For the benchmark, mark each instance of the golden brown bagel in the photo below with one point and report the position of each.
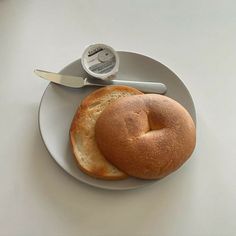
(146, 136)
(82, 132)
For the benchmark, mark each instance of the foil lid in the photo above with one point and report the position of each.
(100, 61)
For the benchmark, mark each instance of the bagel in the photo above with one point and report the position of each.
(146, 136)
(82, 132)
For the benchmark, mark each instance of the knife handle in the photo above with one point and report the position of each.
(147, 87)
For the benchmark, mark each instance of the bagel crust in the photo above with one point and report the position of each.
(146, 136)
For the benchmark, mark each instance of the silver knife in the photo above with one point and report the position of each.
(79, 82)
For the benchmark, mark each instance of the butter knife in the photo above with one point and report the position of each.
(79, 82)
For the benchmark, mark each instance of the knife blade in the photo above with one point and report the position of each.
(79, 82)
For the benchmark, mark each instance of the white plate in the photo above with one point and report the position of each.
(59, 104)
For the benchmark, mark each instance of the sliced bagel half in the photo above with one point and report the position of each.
(82, 132)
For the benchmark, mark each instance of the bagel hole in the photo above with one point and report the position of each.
(153, 122)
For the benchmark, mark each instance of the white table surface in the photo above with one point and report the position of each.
(196, 39)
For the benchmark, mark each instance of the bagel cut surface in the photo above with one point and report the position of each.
(146, 136)
(82, 132)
